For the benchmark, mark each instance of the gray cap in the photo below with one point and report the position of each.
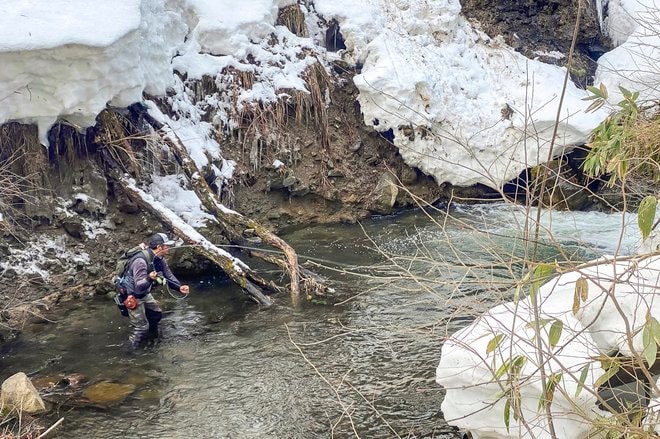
(159, 239)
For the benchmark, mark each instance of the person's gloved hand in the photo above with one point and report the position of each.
(185, 289)
(130, 303)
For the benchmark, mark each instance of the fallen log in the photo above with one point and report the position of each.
(236, 269)
(232, 224)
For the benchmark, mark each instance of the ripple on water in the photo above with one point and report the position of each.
(228, 370)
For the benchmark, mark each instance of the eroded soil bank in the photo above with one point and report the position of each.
(69, 222)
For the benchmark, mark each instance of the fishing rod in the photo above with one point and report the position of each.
(244, 247)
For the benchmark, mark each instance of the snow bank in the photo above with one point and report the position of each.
(443, 89)
(466, 370)
(470, 110)
(634, 26)
(219, 31)
(70, 59)
(624, 17)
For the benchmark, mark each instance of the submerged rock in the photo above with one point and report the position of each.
(107, 393)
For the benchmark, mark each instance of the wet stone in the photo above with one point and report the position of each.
(356, 146)
(92, 269)
(107, 393)
(273, 215)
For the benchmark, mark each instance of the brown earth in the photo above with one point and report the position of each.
(544, 25)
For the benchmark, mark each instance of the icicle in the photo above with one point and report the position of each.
(600, 9)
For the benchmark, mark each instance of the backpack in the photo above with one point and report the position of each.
(123, 263)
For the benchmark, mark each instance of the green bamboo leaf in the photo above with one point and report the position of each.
(541, 274)
(595, 90)
(507, 413)
(494, 343)
(609, 373)
(646, 333)
(625, 92)
(549, 393)
(517, 365)
(583, 377)
(648, 339)
(541, 323)
(646, 215)
(651, 353)
(635, 96)
(655, 329)
(555, 332)
(504, 368)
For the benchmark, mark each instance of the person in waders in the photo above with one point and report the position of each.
(142, 272)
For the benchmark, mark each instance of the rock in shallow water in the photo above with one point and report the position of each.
(18, 391)
(107, 393)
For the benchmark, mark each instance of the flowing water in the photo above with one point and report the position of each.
(361, 368)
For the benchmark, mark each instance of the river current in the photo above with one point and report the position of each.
(360, 365)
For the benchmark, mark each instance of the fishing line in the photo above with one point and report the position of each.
(279, 252)
(162, 281)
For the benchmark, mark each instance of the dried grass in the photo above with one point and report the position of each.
(22, 161)
(261, 128)
(294, 19)
(116, 134)
(645, 145)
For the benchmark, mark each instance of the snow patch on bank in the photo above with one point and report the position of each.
(170, 191)
(40, 255)
(634, 26)
(599, 327)
(471, 110)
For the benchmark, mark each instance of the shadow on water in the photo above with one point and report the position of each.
(226, 369)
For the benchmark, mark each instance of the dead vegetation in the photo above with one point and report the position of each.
(22, 161)
(294, 19)
(260, 127)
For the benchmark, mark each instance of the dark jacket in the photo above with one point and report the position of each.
(137, 279)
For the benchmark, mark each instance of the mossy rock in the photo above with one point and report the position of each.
(138, 379)
(107, 393)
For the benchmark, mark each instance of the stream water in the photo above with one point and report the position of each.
(362, 368)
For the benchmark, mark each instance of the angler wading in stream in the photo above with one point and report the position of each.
(144, 269)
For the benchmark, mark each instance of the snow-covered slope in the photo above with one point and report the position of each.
(443, 89)
(70, 59)
(462, 107)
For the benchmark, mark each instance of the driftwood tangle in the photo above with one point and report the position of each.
(231, 225)
(241, 275)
